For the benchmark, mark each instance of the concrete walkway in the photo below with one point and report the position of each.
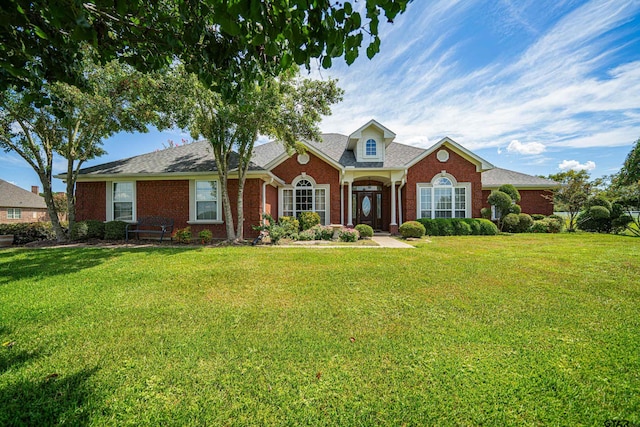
(390, 242)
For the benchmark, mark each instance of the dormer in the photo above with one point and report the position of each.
(369, 143)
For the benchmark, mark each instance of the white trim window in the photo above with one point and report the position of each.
(371, 148)
(305, 195)
(206, 200)
(443, 198)
(14, 213)
(123, 200)
(205, 205)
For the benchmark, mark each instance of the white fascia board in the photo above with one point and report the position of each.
(481, 164)
(275, 162)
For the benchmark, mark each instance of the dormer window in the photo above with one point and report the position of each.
(370, 148)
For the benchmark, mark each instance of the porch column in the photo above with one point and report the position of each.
(393, 203)
(349, 204)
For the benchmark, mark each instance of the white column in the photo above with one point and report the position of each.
(393, 203)
(341, 202)
(349, 204)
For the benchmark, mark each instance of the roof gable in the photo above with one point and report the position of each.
(496, 177)
(481, 164)
(387, 135)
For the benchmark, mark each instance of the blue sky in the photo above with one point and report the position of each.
(533, 86)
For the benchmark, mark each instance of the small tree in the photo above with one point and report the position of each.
(504, 200)
(625, 188)
(572, 193)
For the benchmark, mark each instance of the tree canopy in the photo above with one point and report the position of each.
(630, 172)
(222, 41)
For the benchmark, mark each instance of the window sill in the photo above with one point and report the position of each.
(205, 222)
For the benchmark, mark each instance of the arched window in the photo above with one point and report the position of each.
(305, 196)
(371, 148)
(443, 198)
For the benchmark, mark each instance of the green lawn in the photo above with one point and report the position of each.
(503, 330)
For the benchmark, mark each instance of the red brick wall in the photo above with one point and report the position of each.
(26, 215)
(91, 201)
(272, 201)
(170, 198)
(321, 172)
(424, 171)
(531, 201)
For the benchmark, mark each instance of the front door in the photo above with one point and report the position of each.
(367, 208)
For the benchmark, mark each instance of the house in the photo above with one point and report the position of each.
(362, 178)
(18, 205)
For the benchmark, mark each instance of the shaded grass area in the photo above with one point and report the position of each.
(506, 330)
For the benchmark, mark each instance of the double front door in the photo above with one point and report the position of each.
(368, 206)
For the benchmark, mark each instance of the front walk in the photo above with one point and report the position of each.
(390, 242)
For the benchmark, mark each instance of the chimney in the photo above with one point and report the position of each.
(34, 189)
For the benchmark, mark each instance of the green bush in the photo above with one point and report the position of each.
(485, 213)
(366, 232)
(488, 228)
(537, 217)
(555, 225)
(308, 220)
(540, 226)
(599, 212)
(323, 232)
(115, 230)
(348, 235)
(510, 223)
(525, 223)
(27, 232)
(79, 230)
(511, 191)
(474, 226)
(205, 236)
(412, 229)
(460, 228)
(307, 235)
(290, 226)
(515, 209)
(182, 235)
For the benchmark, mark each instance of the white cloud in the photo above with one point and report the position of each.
(576, 165)
(527, 148)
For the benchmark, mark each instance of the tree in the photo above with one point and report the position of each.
(572, 193)
(58, 119)
(286, 108)
(505, 200)
(625, 188)
(222, 41)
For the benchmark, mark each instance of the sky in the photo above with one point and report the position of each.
(537, 86)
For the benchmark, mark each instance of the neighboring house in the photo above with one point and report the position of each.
(362, 178)
(18, 205)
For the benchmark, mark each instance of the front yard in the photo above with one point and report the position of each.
(501, 330)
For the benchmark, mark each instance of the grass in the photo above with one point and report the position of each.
(504, 330)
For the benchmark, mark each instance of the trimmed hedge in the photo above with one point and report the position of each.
(26, 232)
(90, 229)
(458, 227)
(412, 229)
(365, 231)
(115, 230)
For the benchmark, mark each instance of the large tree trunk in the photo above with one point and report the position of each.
(51, 208)
(71, 199)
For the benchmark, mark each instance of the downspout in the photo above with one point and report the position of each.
(342, 196)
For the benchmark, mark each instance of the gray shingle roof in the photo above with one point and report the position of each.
(194, 157)
(497, 176)
(198, 157)
(12, 196)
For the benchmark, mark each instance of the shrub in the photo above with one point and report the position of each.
(348, 235)
(115, 230)
(323, 232)
(290, 226)
(525, 222)
(540, 226)
(79, 230)
(555, 225)
(510, 223)
(460, 228)
(27, 232)
(308, 220)
(515, 209)
(512, 191)
(412, 229)
(537, 217)
(599, 212)
(365, 231)
(205, 236)
(488, 228)
(182, 235)
(307, 235)
(485, 213)
(474, 226)
(95, 229)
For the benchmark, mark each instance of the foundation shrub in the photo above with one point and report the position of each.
(349, 235)
(510, 223)
(27, 232)
(525, 222)
(487, 228)
(323, 232)
(182, 235)
(205, 237)
(307, 235)
(308, 220)
(115, 230)
(412, 229)
(460, 227)
(366, 232)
